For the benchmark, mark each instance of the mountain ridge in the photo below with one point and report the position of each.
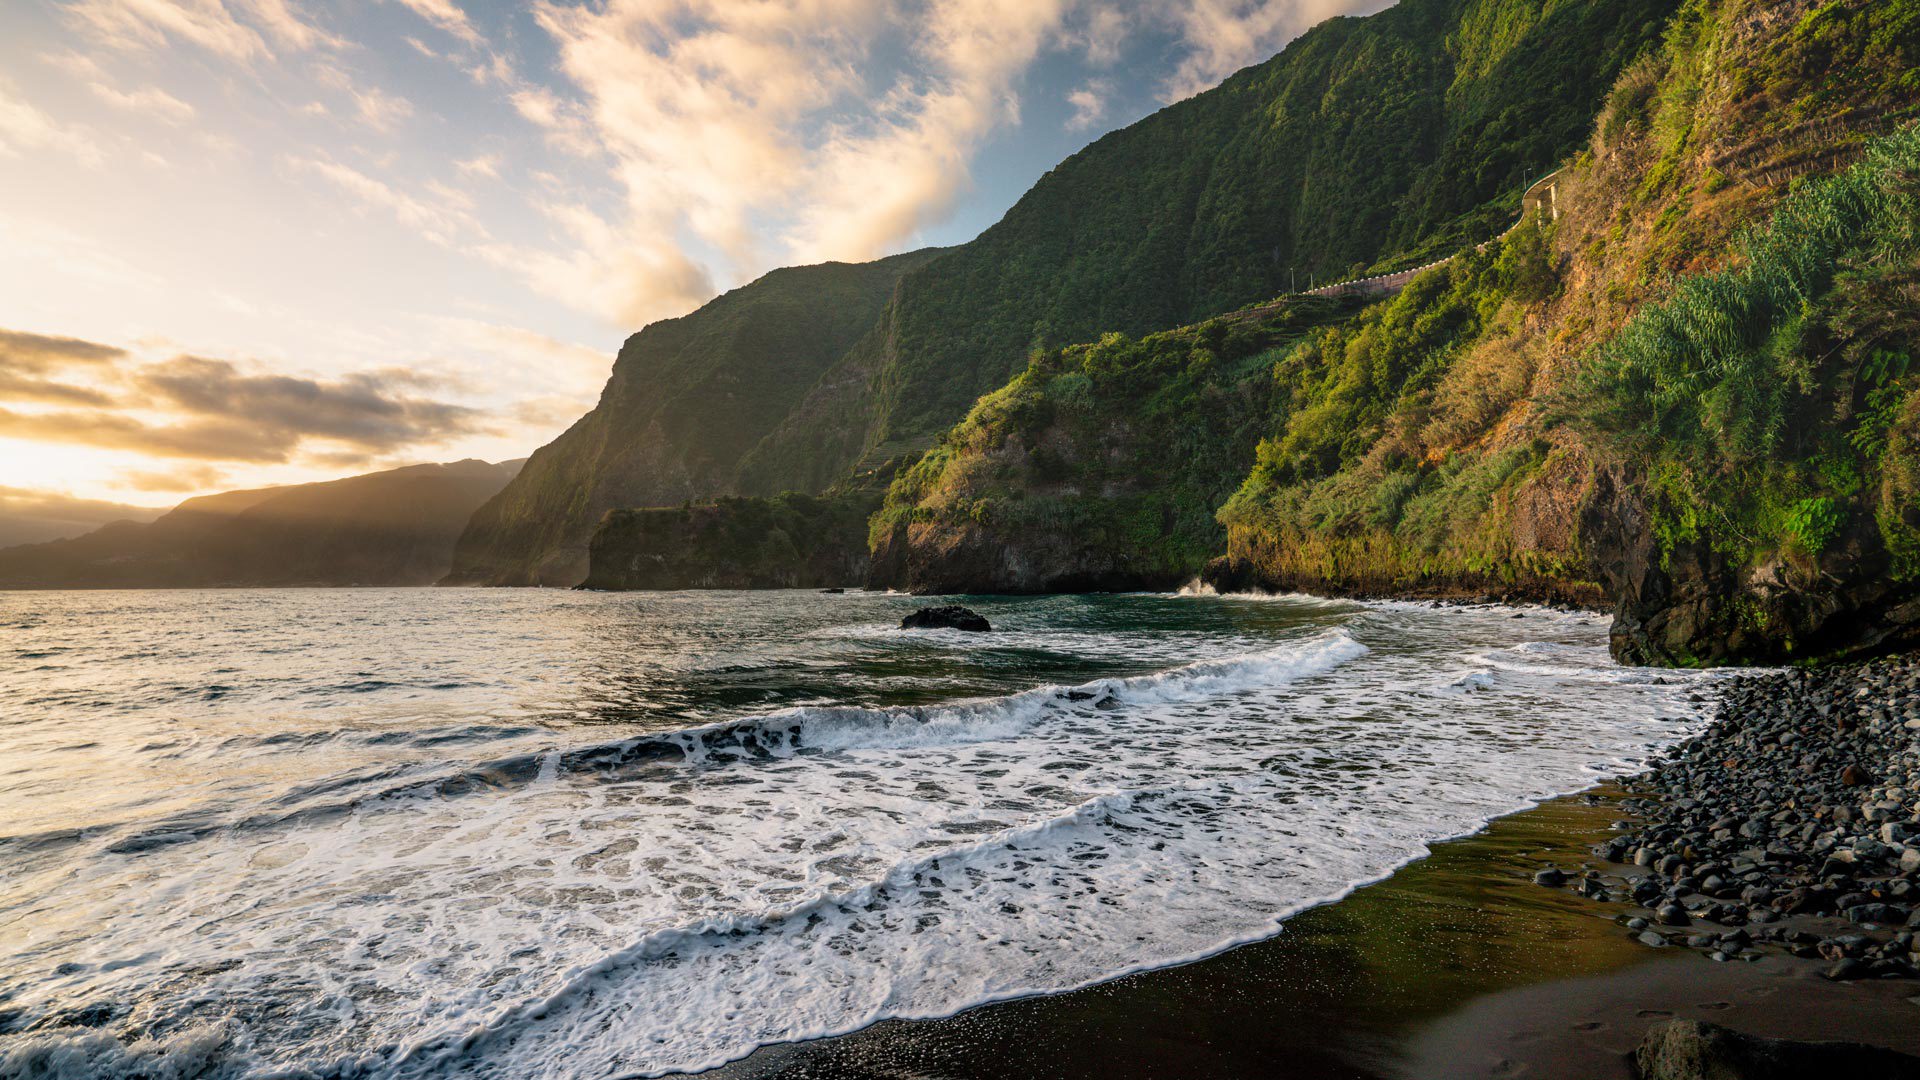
(1396, 136)
(394, 527)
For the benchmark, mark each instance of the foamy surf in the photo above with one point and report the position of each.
(669, 900)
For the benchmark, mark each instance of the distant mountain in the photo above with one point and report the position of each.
(386, 528)
(28, 516)
(1369, 142)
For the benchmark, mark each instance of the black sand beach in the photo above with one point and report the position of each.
(1457, 966)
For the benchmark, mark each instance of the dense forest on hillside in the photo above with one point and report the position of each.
(1685, 385)
(1368, 141)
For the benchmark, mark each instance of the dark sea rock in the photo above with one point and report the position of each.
(1694, 605)
(950, 617)
(1694, 1050)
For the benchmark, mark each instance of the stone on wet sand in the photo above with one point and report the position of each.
(1695, 1050)
(1781, 819)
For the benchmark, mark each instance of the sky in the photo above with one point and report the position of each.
(249, 242)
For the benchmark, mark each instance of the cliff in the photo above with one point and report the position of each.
(687, 400)
(1375, 142)
(790, 541)
(1097, 468)
(1689, 393)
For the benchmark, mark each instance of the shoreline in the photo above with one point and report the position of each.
(1475, 961)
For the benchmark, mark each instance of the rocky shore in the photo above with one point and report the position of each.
(1792, 824)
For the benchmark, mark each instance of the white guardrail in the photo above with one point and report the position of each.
(1383, 280)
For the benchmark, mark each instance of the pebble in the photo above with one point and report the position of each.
(1797, 804)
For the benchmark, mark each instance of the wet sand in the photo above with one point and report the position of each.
(1457, 966)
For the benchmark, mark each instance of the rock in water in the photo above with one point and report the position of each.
(953, 617)
(1692, 1050)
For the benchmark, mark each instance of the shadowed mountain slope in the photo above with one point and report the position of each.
(386, 528)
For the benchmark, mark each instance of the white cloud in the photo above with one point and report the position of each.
(487, 165)
(1223, 36)
(148, 99)
(213, 25)
(447, 16)
(625, 276)
(23, 127)
(1089, 104)
(444, 221)
(1104, 35)
(381, 111)
(762, 131)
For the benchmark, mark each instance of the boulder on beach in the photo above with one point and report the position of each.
(951, 617)
(1693, 1050)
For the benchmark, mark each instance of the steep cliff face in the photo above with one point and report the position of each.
(687, 401)
(790, 541)
(387, 528)
(1374, 142)
(1704, 362)
(1098, 468)
(1692, 603)
(1388, 137)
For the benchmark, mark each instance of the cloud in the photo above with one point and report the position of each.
(33, 516)
(447, 16)
(1089, 104)
(25, 128)
(771, 133)
(26, 359)
(150, 100)
(213, 25)
(41, 353)
(23, 388)
(361, 410)
(185, 478)
(1223, 36)
(440, 220)
(1103, 35)
(382, 111)
(198, 408)
(487, 165)
(215, 441)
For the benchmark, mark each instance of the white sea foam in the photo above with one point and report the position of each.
(671, 901)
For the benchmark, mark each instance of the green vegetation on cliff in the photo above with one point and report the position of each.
(1385, 140)
(1368, 141)
(1098, 467)
(1649, 372)
(1363, 484)
(1761, 402)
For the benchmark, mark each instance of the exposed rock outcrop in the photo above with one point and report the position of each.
(1692, 604)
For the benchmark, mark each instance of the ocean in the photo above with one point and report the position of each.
(532, 833)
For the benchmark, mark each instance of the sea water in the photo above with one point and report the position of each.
(483, 833)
